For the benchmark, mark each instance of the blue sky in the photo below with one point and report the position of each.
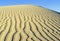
(50, 4)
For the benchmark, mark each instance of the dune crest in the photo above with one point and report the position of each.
(29, 23)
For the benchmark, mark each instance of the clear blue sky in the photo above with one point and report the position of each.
(50, 4)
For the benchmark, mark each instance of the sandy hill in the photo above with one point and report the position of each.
(29, 23)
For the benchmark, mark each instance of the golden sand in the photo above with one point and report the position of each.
(29, 23)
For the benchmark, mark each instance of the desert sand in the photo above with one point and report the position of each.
(29, 23)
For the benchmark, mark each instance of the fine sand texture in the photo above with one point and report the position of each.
(29, 23)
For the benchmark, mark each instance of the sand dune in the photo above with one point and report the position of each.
(29, 23)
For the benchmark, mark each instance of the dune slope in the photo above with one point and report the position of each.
(29, 23)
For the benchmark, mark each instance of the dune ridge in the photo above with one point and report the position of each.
(29, 23)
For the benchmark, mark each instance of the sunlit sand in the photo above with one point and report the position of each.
(29, 23)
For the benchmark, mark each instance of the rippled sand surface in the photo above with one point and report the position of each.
(29, 23)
